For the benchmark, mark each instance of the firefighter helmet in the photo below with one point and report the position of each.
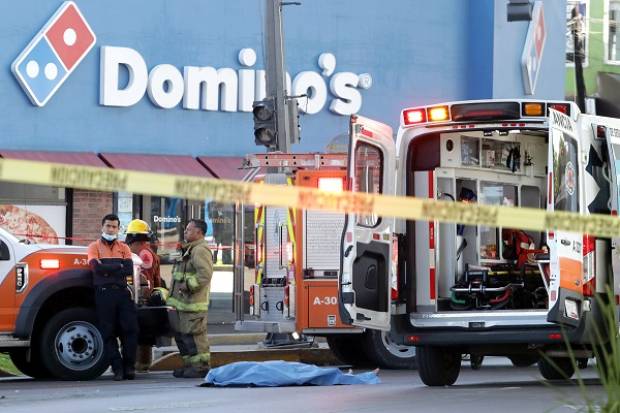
(137, 226)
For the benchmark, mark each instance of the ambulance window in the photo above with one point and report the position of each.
(4, 251)
(565, 173)
(368, 176)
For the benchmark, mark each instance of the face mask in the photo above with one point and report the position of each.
(108, 237)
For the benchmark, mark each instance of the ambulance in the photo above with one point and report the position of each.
(294, 289)
(48, 324)
(473, 289)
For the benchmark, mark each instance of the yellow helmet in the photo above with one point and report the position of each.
(137, 226)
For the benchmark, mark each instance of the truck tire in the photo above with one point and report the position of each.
(31, 366)
(348, 348)
(72, 347)
(438, 366)
(387, 354)
(556, 368)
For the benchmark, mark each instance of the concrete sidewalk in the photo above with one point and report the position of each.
(232, 347)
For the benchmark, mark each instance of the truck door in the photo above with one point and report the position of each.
(8, 289)
(366, 246)
(612, 136)
(566, 259)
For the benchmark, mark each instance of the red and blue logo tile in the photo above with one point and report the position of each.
(54, 53)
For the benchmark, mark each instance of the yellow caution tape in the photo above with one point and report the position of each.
(114, 180)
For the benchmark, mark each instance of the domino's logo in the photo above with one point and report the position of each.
(54, 53)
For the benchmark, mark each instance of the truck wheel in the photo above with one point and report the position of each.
(72, 347)
(524, 360)
(387, 354)
(438, 366)
(30, 366)
(556, 368)
(348, 349)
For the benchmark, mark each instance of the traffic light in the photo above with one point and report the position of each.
(519, 10)
(293, 121)
(265, 123)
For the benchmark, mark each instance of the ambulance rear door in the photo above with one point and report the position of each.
(612, 137)
(566, 259)
(366, 245)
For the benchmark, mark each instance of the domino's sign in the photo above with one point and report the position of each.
(61, 44)
(54, 53)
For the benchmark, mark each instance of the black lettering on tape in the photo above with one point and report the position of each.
(76, 177)
(598, 225)
(467, 214)
(216, 190)
(360, 203)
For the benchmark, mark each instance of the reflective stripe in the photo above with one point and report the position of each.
(199, 359)
(192, 282)
(178, 276)
(190, 307)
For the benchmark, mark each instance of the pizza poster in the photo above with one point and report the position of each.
(37, 224)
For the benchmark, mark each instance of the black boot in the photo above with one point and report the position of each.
(130, 373)
(117, 369)
(197, 372)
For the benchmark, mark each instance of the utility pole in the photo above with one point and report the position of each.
(578, 54)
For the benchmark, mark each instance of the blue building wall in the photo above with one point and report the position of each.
(417, 52)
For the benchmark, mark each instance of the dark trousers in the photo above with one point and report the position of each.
(117, 317)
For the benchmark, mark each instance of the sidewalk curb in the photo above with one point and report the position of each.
(319, 356)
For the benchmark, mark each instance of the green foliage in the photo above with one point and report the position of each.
(7, 366)
(607, 353)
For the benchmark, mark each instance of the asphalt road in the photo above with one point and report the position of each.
(497, 387)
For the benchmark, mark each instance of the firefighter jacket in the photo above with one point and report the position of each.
(191, 278)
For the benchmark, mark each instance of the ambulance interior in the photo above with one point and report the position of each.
(477, 267)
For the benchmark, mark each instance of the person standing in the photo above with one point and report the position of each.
(191, 283)
(138, 238)
(111, 263)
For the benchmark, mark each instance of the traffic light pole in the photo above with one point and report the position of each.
(578, 54)
(274, 68)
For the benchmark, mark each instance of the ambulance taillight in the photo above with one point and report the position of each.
(438, 114)
(414, 116)
(589, 265)
(560, 107)
(394, 263)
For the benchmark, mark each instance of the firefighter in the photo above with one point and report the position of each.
(110, 260)
(139, 239)
(191, 283)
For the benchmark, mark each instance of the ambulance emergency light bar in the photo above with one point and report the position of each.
(480, 111)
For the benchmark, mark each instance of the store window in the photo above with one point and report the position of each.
(612, 42)
(583, 27)
(34, 213)
(368, 174)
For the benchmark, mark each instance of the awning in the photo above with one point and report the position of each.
(71, 158)
(169, 164)
(227, 167)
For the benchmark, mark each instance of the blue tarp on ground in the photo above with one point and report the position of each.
(283, 373)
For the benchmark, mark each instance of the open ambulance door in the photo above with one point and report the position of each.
(612, 136)
(566, 258)
(366, 244)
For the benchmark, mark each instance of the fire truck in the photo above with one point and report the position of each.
(471, 289)
(295, 286)
(47, 316)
